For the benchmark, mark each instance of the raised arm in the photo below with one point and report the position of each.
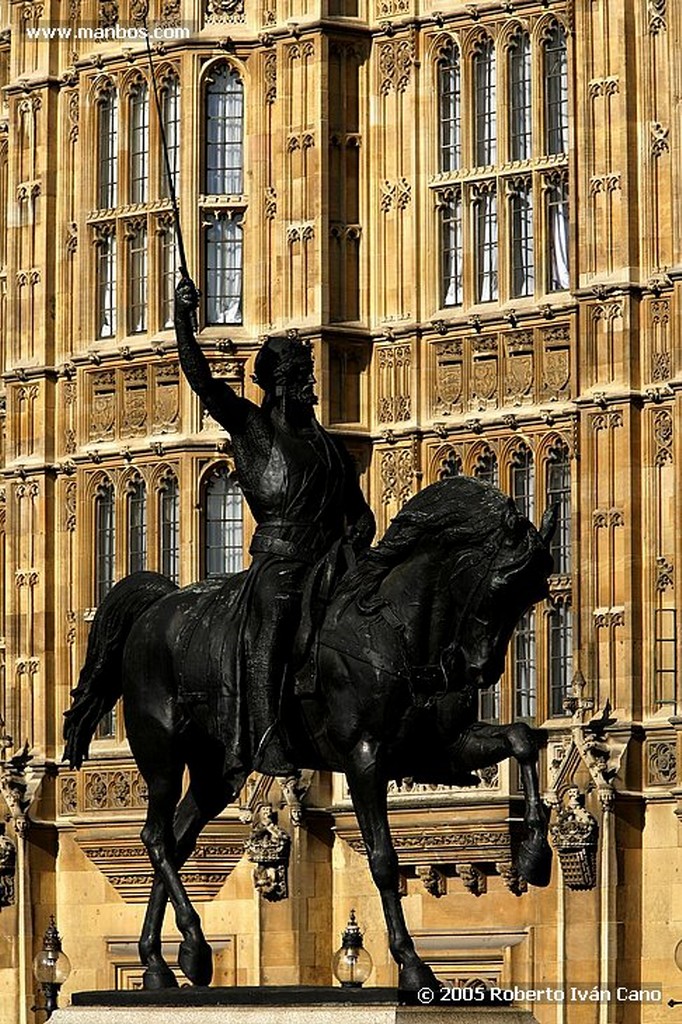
(223, 403)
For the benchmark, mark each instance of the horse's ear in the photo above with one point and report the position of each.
(549, 523)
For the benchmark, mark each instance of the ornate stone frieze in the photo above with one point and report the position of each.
(125, 863)
(608, 618)
(394, 365)
(70, 505)
(664, 574)
(396, 476)
(396, 59)
(656, 11)
(446, 845)
(660, 142)
(395, 195)
(661, 366)
(663, 438)
(219, 12)
(661, 763)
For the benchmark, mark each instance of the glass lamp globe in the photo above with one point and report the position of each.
(352, 964)
(51, 966)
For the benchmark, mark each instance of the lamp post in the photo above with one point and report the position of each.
(51, 968)
(352, 964)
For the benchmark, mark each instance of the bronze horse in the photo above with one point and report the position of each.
(405, 643)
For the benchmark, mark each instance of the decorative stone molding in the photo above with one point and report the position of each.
(125, 864)
(396, 476)
(664, 574)
(656, 10)
(396, 59)
(663, 438)
(661, 762)
(659, 139)
(221, 12)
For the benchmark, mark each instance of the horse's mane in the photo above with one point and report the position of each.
(472, 512)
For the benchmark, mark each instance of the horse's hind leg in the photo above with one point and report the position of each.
(368, 790)
(196, 809)
(483, 745)
(196, 960)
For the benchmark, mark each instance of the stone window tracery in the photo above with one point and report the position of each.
(137, 525)
(169, 527)
(450, 108)
(139, 142)
(500, 164)
(223, 202)
(556, 90)
(133, 255)
(520, 98)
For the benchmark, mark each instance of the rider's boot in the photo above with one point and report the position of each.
(271, 757)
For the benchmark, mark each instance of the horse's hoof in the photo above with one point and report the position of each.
(416, 977)
(534, 862)
(157, 977)
(196, 962)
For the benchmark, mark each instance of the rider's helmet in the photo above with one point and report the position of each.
(284, 366)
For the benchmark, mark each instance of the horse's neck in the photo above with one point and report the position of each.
(424, 605)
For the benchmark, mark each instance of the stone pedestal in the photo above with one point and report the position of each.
(273, 1006)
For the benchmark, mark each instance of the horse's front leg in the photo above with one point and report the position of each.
(484, 745)
(368, 791)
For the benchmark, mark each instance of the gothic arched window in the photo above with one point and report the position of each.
(223, 529)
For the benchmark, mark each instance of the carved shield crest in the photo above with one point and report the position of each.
(167, 407)
(485, 378)
(520, 375)
(557, 370)
(448, 384)
(103, 416)
(135, 411)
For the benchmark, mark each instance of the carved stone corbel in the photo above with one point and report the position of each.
(511, 878)
(432, 879)
(473, 878)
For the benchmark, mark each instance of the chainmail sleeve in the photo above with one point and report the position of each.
(228, 408)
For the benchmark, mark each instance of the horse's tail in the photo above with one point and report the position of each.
(100, 682)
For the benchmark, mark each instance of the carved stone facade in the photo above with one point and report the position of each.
(568, 394)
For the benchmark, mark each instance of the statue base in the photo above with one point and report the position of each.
(272, 1004)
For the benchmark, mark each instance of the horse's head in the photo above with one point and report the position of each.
(491, 565)
(509, 579)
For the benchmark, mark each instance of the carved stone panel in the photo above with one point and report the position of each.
(449, 378)
(394, 402)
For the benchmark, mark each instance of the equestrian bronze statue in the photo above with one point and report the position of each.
(303, 492)
(384, 684)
